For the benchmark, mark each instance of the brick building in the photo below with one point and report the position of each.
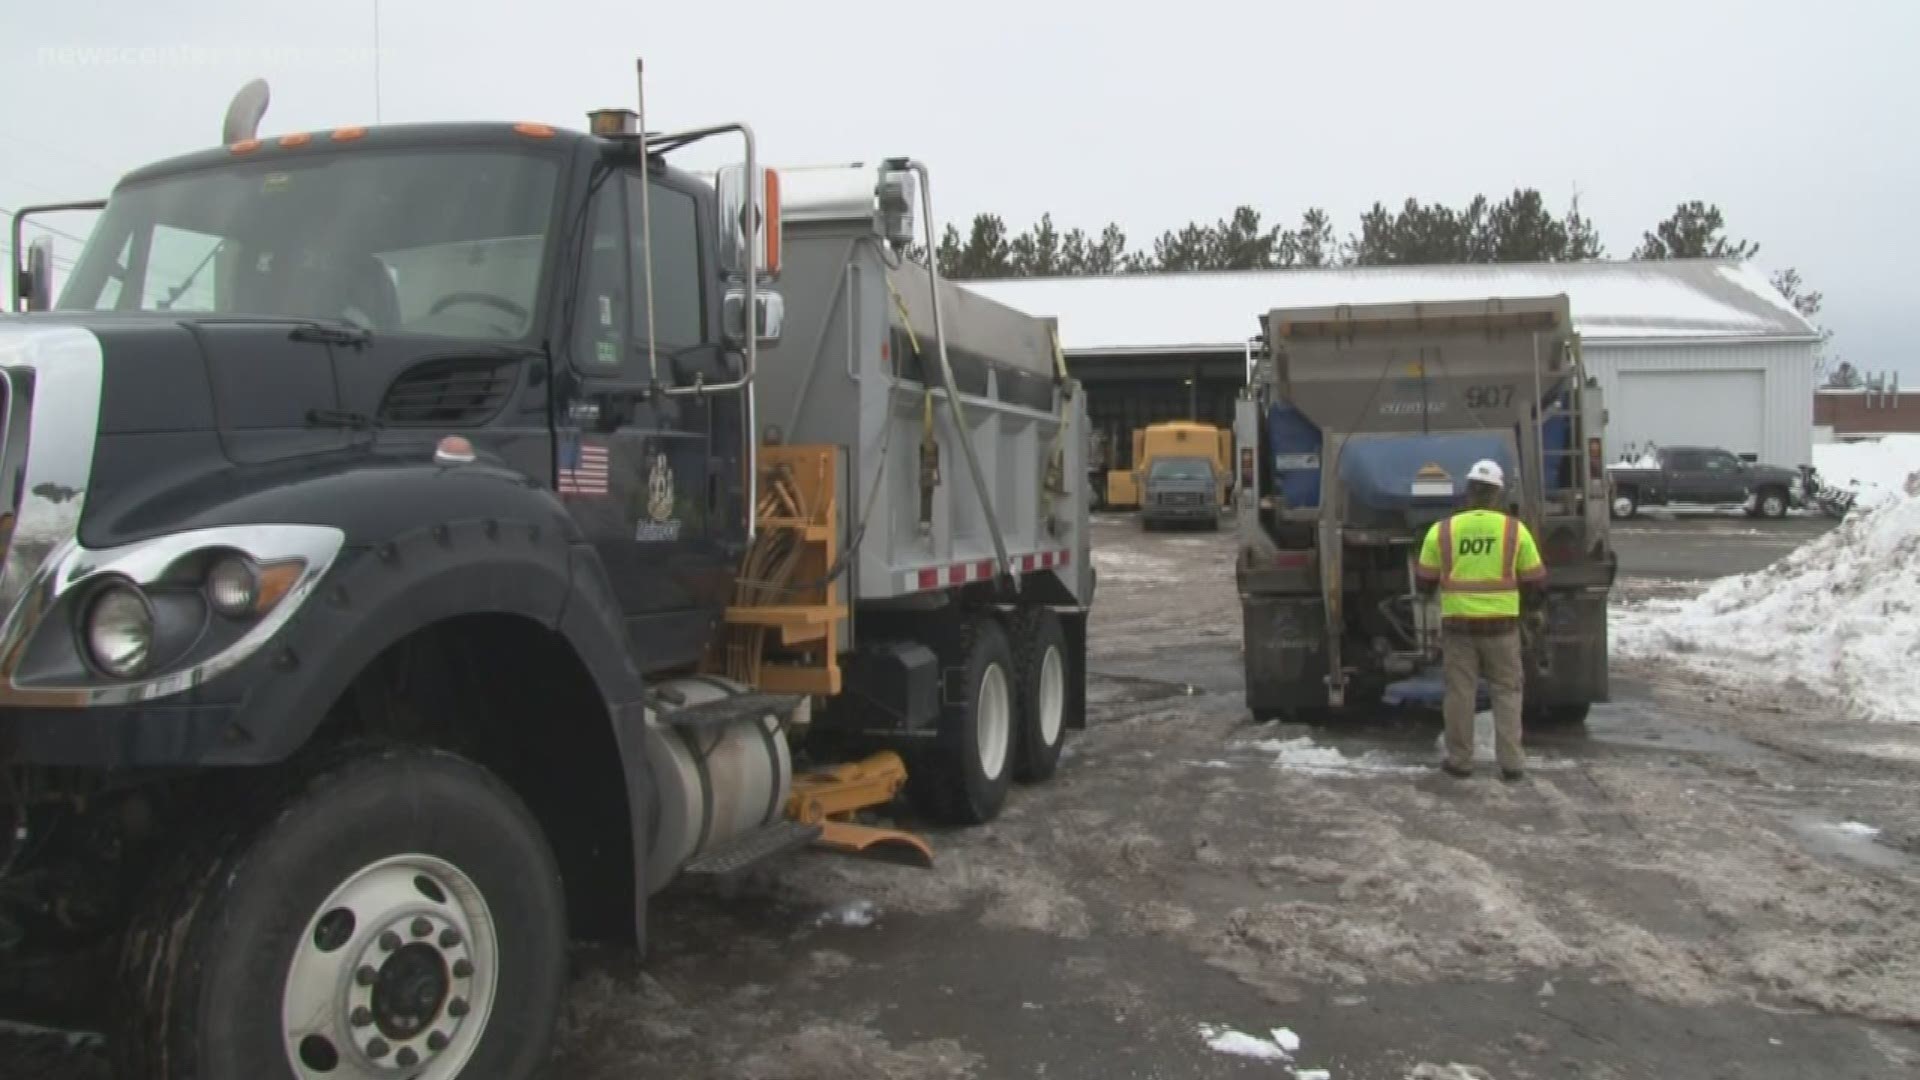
(1855, 414)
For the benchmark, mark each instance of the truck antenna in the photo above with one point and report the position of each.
(376, 61)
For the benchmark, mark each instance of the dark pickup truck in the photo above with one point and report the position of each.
(1700, 476)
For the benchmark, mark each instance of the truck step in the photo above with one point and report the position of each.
(749, 848)
(721, 712)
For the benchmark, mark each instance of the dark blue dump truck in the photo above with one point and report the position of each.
(1355, 436)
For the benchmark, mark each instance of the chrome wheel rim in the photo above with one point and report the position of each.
(395, 976)
(1622, 507)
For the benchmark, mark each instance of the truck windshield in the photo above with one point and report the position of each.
(444, 241)
(1180, 469)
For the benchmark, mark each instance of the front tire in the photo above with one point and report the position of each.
(1624, 505)
(964, 779)
(397, 913)
(1773, 504)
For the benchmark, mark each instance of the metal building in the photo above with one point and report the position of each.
(1687, 351)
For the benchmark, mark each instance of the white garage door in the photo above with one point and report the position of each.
(1724, 409)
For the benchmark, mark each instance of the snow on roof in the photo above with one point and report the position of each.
(1622, 300)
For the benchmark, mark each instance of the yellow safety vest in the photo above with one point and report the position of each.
(1479, 558)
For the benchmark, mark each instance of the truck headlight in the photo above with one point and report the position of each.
(233, 585)
(119, 631)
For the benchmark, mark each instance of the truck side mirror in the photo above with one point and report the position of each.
(35, 285)
(748, 215)
(770, 317)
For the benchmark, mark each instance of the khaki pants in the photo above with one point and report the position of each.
(1470, 657)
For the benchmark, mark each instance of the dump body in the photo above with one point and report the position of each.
(1361, 427)
(858, 368)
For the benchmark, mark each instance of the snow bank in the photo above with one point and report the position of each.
(1841, 614)
(1879, 470)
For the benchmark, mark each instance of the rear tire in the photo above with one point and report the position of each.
(1044, 671)
(963, 779)
(414, 865)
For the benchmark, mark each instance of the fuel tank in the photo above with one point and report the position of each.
(712, 784)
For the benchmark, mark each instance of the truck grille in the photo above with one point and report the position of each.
(1181, 498)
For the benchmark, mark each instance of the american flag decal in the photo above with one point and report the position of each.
(583, 468)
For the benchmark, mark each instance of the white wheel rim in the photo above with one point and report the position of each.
(1053, 696)
(993, 722)
(1771, 507)
(1623, 506)
(395, 976)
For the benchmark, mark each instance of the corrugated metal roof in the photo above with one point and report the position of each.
(1622, 300)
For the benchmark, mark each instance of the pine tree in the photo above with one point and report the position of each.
(1038, 252)
(1804, 300)
(1192, 248)
(1312, 245)
(1583, 240)
(1108, 255)
(986, 253)
(1695, 231)
(1239, 243)
(1521, 230)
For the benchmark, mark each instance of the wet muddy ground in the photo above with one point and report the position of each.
(1706, 881)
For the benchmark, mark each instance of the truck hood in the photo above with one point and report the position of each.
(171, 372)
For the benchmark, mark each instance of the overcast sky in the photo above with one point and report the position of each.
(1798, 119)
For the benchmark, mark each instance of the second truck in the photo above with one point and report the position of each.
(1355, 437)
(417, 556)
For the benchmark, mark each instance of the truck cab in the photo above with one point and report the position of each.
(1180, 489)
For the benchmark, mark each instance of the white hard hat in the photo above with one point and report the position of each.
(1486, 471)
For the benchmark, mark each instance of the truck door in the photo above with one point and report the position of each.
(653, 480)
(1687, 479)
(1722, 478)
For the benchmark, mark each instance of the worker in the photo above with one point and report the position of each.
(1480, 559)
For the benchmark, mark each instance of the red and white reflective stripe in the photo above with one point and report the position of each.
(946, 577)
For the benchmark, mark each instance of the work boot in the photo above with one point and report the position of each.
(1513, 776)
(1460, 771)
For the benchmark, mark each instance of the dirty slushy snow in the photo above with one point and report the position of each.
(1118, 564)
(1304, 755)
(856, 915)
(1226, 1040)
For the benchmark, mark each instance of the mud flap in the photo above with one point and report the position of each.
(1286, 659)
(1074, 624)
(1566, 657)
